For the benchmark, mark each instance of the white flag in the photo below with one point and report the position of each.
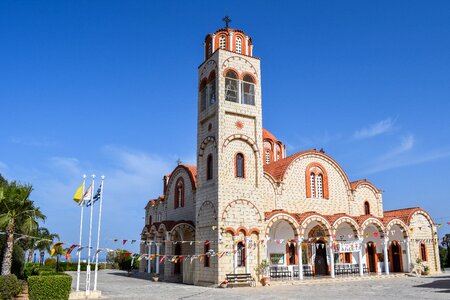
(88, 193)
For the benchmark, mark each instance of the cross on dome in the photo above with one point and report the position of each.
(227, 21)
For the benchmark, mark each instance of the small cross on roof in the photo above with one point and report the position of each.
(227, 21)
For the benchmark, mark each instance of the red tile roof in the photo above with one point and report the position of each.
(356, 183)
(267, 135)
(279, 167)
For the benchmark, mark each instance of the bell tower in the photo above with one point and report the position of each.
(229, 139)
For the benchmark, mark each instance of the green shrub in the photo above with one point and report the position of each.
(54, 287)
(10, 287)
(50, 262)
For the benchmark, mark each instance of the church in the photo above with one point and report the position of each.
(247, 200)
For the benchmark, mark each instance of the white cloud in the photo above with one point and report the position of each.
(33, 142)
(378, 128)
(406, 144)
(407, 161)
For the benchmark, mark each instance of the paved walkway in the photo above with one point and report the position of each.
(117, 285)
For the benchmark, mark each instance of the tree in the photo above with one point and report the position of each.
(446, 243)
(18, 215)
(44, 240)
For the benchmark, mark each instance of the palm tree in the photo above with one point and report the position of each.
(18, 215)
(45, 240)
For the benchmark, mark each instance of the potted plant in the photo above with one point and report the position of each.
(426, 270)
(261, 270)
(155, 277)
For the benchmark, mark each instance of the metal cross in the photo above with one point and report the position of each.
(179, 162)
(227, 21)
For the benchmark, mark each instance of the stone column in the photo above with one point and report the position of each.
(330, 245)
(247, 252)
(234, 255)
(386, 258)
(360, 259)
(213, 43)
(300, 260)
(408, 255)
(157, 258)
(148, 258)
(246, 45)
(230, 42)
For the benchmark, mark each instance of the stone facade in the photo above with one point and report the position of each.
(278, 203)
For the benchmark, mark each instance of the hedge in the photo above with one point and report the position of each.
(71, 266)
(10, 287)
(52, 287)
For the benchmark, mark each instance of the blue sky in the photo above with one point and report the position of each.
(109, 87)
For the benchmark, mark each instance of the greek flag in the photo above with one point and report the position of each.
(96, 196)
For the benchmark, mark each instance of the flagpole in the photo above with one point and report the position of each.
(81, 231)
(98, 232)
(88, 267)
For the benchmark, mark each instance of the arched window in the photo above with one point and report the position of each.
(319, 186)
(241, 254)
(240, 165)
(179, 193)
(202, 90)
(316, 181)
(313, 185)
(423, 252)
(238, 45)
(212, 88)
(248, 90)
(209, 167)
(222, 42)
(149, 220)
(231, 86)
(206, 250)
(366, 208)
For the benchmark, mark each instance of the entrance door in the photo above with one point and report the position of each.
(371, 253)
(320, 262)
(177, 265)
(396, 257)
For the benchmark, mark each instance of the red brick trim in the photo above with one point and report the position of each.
(234, 70)
(230, 230)
(251, 75)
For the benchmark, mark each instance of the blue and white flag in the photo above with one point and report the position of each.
(96, 196)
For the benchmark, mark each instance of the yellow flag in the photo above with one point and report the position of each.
(77, 196)
(54, 248)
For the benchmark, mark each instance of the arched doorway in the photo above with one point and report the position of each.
(371, 254)
(320, 260)
(177, 264)
(396, 257)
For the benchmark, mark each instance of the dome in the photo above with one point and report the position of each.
(229, 39)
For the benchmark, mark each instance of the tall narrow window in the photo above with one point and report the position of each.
(267, 156)
(313, 185)
(209, 48)
(240, 165)
(423, 252)
(319, 186)
(203, 95)
(209, 167)
(179, 193)
(238, 45)
(150, 220)
(223, 42)
(248, 90)
(231, 86)
(366, 208)
(240, 254)
(212, 88)
(206, 251)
